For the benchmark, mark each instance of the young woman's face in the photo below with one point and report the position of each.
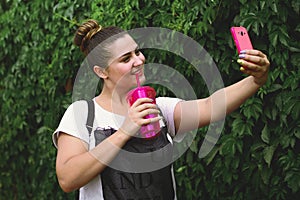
(125, 63)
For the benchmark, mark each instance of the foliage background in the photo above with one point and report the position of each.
(257, 156)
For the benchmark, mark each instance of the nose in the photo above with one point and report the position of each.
(138, 60)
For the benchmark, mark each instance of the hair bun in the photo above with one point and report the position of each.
(85, 32)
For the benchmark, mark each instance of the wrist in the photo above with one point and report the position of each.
(123, 134)
(260, 81)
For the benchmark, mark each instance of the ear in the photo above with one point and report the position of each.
(101, 72)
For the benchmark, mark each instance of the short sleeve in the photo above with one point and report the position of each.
(167, 107)
(73, 122)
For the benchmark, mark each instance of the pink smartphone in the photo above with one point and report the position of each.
(241, 38)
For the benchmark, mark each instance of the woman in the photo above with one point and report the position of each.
(84, 162)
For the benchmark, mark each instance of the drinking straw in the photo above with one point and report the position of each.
(137, 80)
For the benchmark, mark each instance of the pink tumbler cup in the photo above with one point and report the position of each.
(149, 130)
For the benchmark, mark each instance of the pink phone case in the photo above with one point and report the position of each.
(241, 38)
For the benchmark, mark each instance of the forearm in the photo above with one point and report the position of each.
(82, 168)
(232, 97)
(238, 93)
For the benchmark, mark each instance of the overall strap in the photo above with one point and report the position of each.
(89, 126)
(91, 115)
(163, 117)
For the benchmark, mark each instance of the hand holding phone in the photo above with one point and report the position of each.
(241, 38)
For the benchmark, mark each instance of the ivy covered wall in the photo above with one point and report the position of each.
(258, 153)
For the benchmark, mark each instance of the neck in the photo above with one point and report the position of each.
(113, 100)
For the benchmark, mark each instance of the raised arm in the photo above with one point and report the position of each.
(193, 114)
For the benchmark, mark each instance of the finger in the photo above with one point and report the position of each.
(257, 73)
(246, 71)
(138, 113)
(253, 52)
(151, 120)
(255, 56)
(255, 63)
(145, 106)
(256, 59)
(149, 112)
(142, 101)
(249, 65)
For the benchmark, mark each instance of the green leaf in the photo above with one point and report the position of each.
(181, 169)
(265, 134)
(209, 158)
(265, 174)
(194, 147)
(228, 147)
(292, 178)
(241, 127)
(268, 154)
(275, 87)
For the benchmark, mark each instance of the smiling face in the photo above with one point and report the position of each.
(126, 61)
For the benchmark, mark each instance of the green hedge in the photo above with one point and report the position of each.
(257, 155)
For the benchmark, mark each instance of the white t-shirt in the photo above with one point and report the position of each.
(73, 122)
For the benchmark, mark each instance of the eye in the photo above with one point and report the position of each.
(137, 52)
(126, 59)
